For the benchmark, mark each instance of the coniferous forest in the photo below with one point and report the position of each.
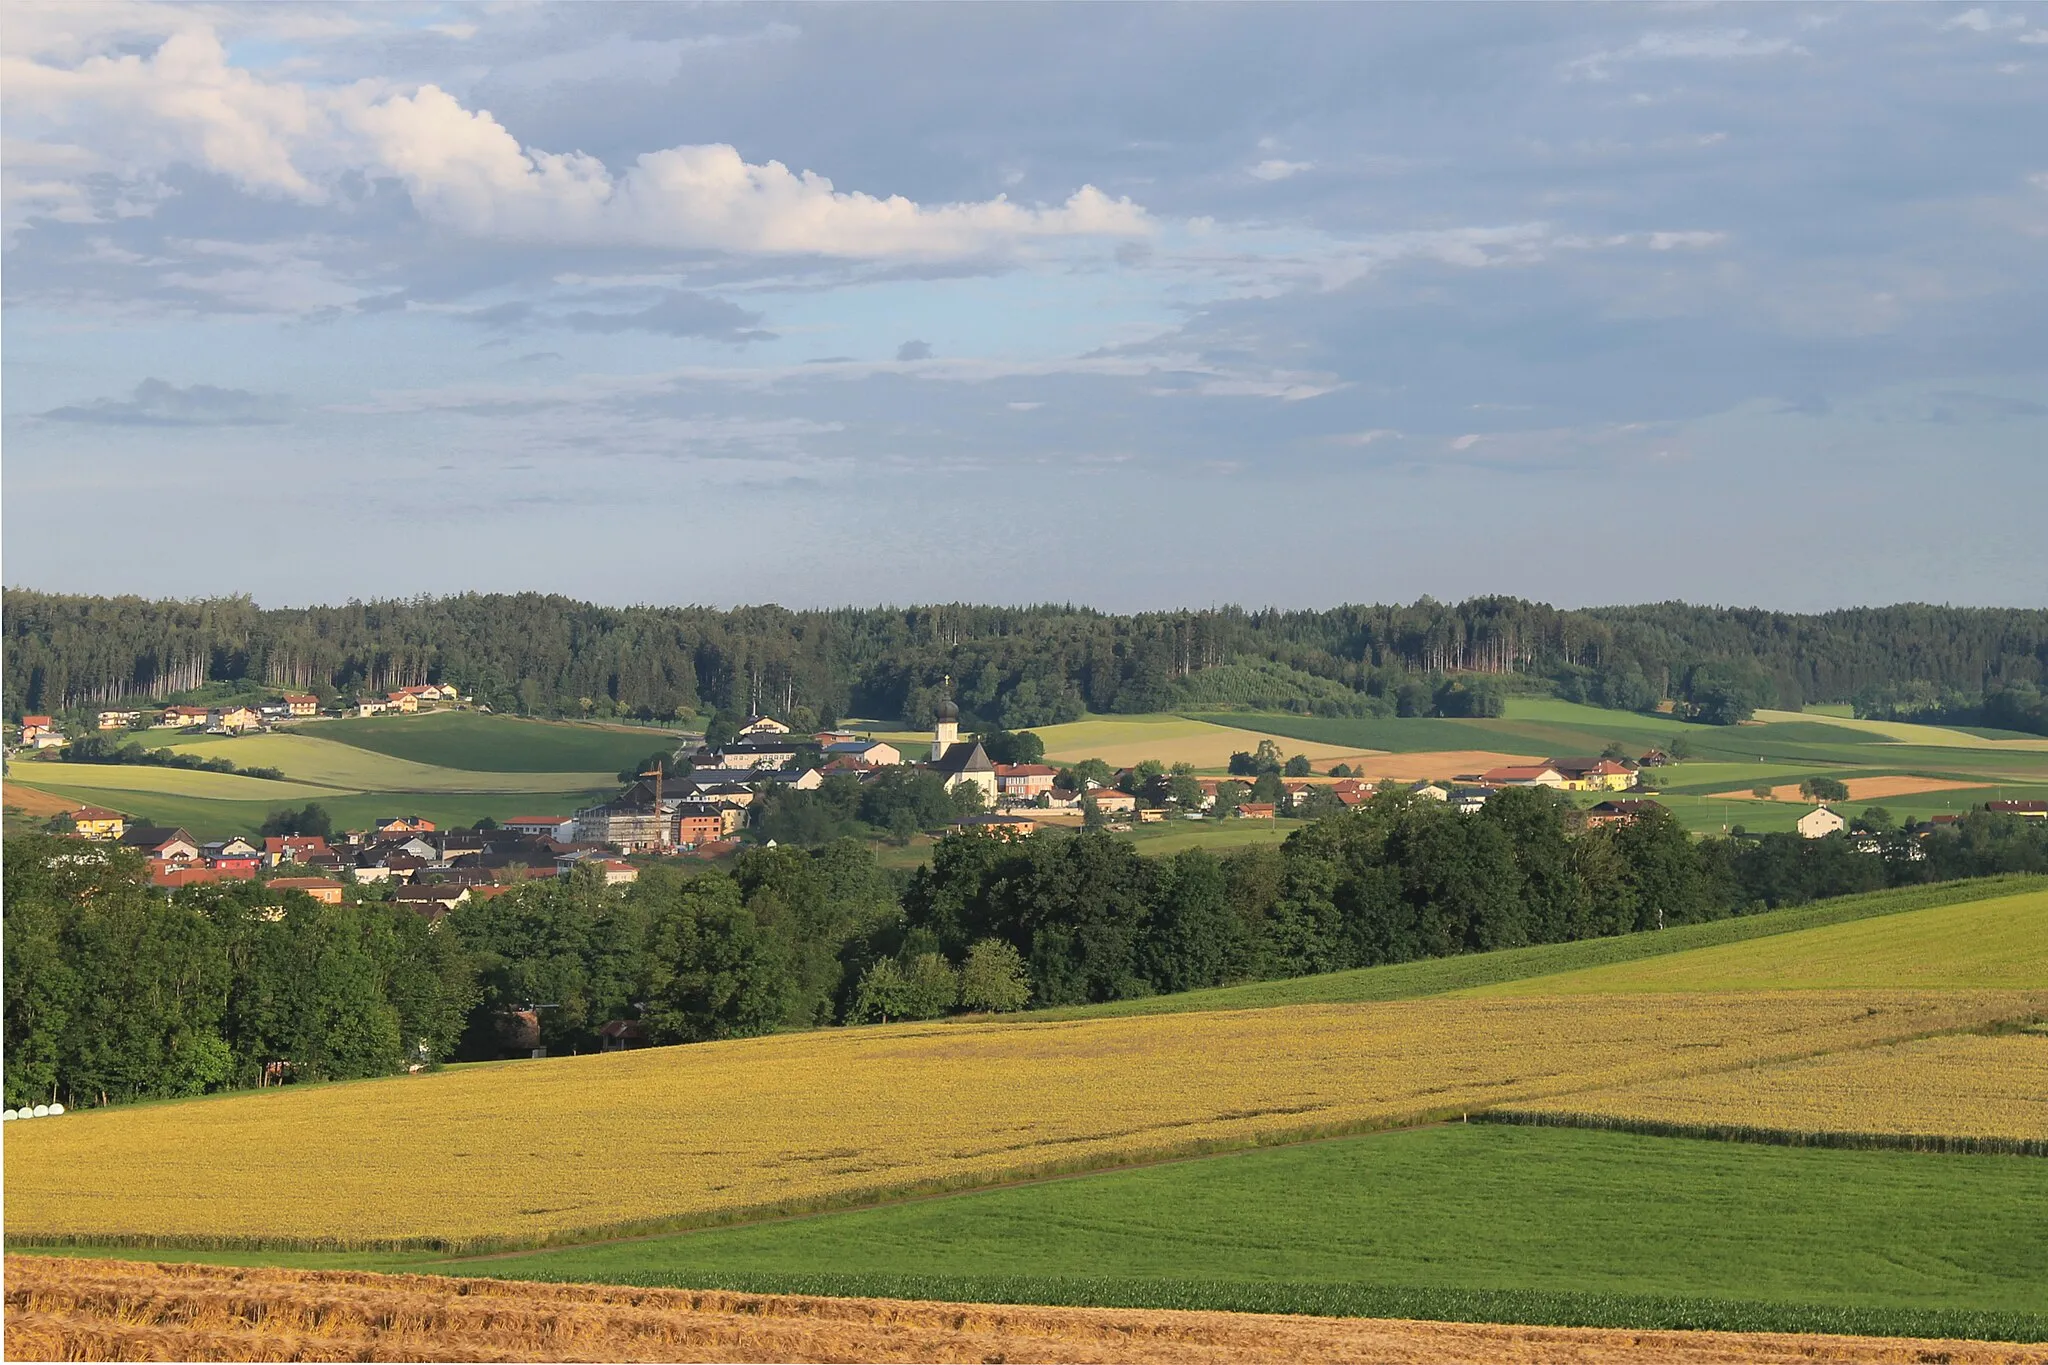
(544, 655)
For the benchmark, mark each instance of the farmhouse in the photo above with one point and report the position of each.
(1469, 800)
(1254, 810)
(1594, 774)
(1820, 822)
(182, 717)
(2026, 810)
(233, 719)
(1618, 813)
(1110, 801)
(403, 702)
(301, 705)
(1352, 791)
(872, 752)
(119, 720)
(161, 845)
(34, 728)
(763, 725)
(1024, 781)
(97, 822)
(1525, 775)
(1430, 791)
(561, 827)
(392, 825)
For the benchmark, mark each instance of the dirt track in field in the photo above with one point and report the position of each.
(1864, 788)
(80, 1309)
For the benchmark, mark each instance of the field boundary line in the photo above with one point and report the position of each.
(1841, 1140)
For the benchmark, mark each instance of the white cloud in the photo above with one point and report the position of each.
(2038, 35)
(1466, 442)
(1982, 21)
(1023, 407)
(1703, 44)
(1366, 438)
(186, 103)
(1273, 169)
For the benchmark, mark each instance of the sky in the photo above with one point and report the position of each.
(1136, 306)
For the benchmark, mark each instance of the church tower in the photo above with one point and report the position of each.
(946, 730)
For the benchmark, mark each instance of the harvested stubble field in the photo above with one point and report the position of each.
(61, 1309)
(1860, 788)
(521, 1155)
(1969, 1091)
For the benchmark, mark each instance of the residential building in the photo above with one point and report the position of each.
(763, 725)
(1820, 822)
(1618, 813)
(561, 827)
(301, 704)
(292, 848)
(2026, 810)
(1024, 781)
(1254, 810)
(1594, 774)
(432, 899)
(872, 752)
(1006, 826)
(371, 706)
(403, 702)
(1431, 791)
(119, 720)
(321, 889)
(1469, 800)
(161, 844)
(622, 1035)
(699, 823)
(233, 719)
(183, 717)
(1110, 801)
(392, 825)
(1352, 791)
(168, 876)
(34, 728)
(97, 822)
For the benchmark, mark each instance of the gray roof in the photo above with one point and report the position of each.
(966, 757)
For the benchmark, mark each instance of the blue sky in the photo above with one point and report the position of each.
(1129, 305)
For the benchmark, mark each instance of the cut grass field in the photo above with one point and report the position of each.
(1437, 976)
(326, 762)
(141, 781)
(2000, 943)
(1476, 1208)
(1989, 1092)
(473, 742)
(672, 1137)
(1125, 741)
(113, 1310)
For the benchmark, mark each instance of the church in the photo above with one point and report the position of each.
(956, 762)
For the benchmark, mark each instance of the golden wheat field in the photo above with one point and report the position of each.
(679, 1136)
(59, 1309)
(1965, 1085)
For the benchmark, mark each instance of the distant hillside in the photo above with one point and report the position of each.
(1015, 666)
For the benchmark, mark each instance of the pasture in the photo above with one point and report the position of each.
(2000, 943)
(475, 742)
(1992, 1090)
(1466, 1207)
(113, 780)
(1129, 740)
(326, 762)
(567, 1148)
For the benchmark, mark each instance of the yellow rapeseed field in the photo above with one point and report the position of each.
(522, 1152)
(1958, 1086)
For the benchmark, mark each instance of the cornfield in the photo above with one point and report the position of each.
(531, 1152)
(60, 1309)
(1958, 1093)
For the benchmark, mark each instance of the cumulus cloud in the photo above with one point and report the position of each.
(679, 313)
(914, 350)
(158, 403)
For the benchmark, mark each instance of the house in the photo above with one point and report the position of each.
(825, 739)
(1005, 826)
(1110, 801)
(34, 728)
(371, 706)
(617, 872)
(300, 705)
(622, 1035)
(763, 725)
(1594, 774)
(319, 888)
(872, 752)
(119, 720)
(543, 826)
(392, 825)
(432, 899)
(956, 762)
(1430, 791)
(161, 845)
(292, 848)
(1352, 791)
(1024, 781)
(1524, 775)
(171, 876)
(182, 717)
(1820, 822)
(803, 779)
(635, 819)
(737, 757)
(233, 719)
(403, 702)
(1152, 815)
(2026, 810)
(852, 767)
(1469, 800)
(1655, 758)
(1618, 813)
(97, 822)
(698, 822)
(1254, 810)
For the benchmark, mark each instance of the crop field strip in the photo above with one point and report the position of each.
(129, 1310)
(1981, 944)
(1962, 1093)
(304, 758)
(724, 1131)
(468, 741)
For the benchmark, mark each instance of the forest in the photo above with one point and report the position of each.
(116, 992)
(1013, 667)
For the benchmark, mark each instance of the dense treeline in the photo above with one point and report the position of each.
(115, 992)
(1012, 667)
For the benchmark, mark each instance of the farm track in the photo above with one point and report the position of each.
(60, 1309)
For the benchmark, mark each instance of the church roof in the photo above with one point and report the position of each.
(947, 710)
(968, 757)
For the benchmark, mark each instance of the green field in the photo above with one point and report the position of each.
(1468, 1207)
(110, 780)
(495, 744)
(214, 819)
(1996, 944)
(325, 762)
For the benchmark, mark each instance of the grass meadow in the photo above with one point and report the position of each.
(476, 742)
(326, 762)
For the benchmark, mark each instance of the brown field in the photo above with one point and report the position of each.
(77, 1309)
(37, 805)
(1864, 788)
